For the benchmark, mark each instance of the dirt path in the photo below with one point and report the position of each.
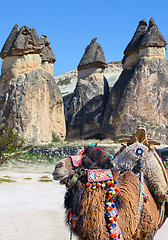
(31, 208)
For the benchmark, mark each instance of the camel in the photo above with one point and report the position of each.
(86, 206)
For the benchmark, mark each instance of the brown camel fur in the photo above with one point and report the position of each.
(88, 203)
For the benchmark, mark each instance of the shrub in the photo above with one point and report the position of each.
(10, 143)
(55, 138)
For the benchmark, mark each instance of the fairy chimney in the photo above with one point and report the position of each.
(93, 60)
(147, 41)
(21, 52)
(140, 95)
(30, 100)
(85, 110)
(48, 57)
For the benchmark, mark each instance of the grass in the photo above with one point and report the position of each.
(44, 179)
(6, 179)
(27, 178)
(36, 157)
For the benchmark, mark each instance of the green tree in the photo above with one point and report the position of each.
(10, 143)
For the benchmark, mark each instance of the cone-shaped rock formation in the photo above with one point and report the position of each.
(48, 57)
(22, 41)
(93, 56)
(147, 41)
(140, 95)
(85, 110)
(30, 100)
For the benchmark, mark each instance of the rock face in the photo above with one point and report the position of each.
(93, 56)
(33, 105)
(67, 81)
(147, 41)
(22, 41)
(85, 110)
(140, 95)
(30, 100)
(24, 51)
(48, 57)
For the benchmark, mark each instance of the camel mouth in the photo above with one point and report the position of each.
(59, 177)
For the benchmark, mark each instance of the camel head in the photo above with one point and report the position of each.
(62, 169)
(92, 158)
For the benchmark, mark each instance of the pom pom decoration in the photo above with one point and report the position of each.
(110, 208)
(92, 144)
(113, 225)
(107, 204)
(111, 235)
(108, 214)
(113, 205)
(110, 190)
(103, 178)
(109, 225)
(98, 185)
(103, 185)
(109, 183)
(110, 196)
(146, 198)
(115, 182)
(113, 192)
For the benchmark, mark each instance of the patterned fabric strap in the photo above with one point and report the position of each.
(99, 175)
(115, 229)
(76, 160)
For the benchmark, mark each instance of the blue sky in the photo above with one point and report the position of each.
(70, 25)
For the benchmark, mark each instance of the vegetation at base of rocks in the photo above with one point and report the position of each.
(64, 81)
(10, 143)
(36, 157)
(55, 138)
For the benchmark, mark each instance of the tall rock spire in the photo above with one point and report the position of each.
(93, 56)
(135, 42)
(139, 97)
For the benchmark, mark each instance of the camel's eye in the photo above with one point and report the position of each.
(59, 165)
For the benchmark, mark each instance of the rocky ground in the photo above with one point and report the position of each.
(32, 203)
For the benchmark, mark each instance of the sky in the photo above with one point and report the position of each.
(71, 25)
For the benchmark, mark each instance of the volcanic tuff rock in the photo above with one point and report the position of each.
(22, 41)
(140, 95)
(48, 57)
(85, 109)
(30, 100)
(24, 51)
(93, 56)
(33, 105)
(147, 41)
(67, 81)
